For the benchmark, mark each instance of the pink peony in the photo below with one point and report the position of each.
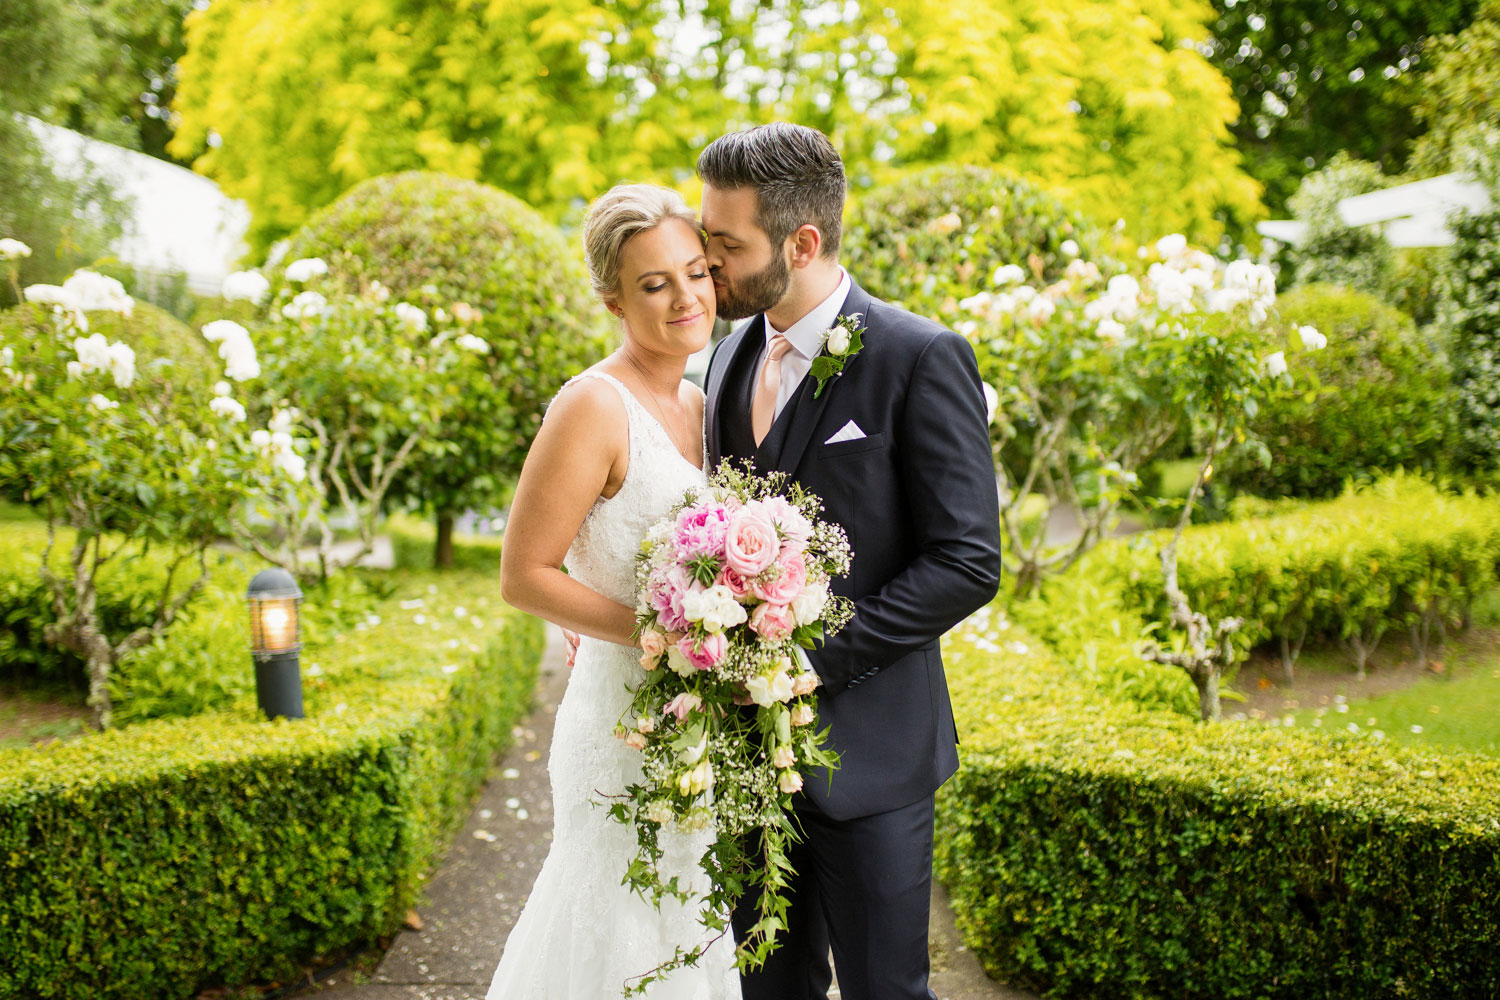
(700, 530)
(664, 593)
(681, 705)
(771, 622)
(752, 544)
(706, 652)
(790, 578)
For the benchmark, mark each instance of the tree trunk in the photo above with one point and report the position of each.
(443, 556)
(1207, 684)
(1028, 579)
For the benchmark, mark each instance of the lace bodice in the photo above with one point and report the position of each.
(602, 555)
(582, 934)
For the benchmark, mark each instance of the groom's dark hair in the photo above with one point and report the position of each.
(796, 173)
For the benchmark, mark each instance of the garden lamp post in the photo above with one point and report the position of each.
(276, 642)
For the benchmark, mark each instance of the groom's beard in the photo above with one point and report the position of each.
(757, 293)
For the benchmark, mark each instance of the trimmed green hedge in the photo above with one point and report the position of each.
(1095, 849)
(159, 859)
(1377, 559)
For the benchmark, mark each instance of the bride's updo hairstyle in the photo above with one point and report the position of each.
(623, 211)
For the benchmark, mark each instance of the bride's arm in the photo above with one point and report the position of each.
(581, 450)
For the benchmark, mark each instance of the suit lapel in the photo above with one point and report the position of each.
(721, 380)
(807, 409)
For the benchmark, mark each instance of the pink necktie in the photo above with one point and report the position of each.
(763, 406)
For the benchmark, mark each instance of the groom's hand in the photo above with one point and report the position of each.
(570, 640)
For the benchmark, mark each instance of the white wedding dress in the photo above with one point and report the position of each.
(582, 934)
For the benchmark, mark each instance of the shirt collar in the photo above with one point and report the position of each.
(806, 335)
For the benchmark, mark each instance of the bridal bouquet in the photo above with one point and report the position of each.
(732, 584)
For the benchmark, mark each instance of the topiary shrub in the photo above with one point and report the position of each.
(930, 238)
(1382, 400)
(435, 241)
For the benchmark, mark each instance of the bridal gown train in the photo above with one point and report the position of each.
(582, 934)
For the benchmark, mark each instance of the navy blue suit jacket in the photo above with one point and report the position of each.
(917, 496)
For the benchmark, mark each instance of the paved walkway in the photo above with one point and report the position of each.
(477, 892)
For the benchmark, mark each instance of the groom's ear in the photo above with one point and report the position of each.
(807, 241)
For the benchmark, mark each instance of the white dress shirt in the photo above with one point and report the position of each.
(806, 338)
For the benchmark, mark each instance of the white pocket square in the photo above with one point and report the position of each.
(848, 432)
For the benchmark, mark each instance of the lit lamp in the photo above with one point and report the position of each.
(276, 642)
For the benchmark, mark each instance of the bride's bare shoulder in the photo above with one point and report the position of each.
(588, 400)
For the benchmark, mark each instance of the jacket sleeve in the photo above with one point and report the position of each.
(948, 479)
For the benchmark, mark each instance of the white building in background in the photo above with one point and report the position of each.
(180, 223)
(1410, 215)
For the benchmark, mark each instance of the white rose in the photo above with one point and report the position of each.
(13, 249)
(1041, 308)
(1173, 291)
(222, 389)
(44, 295)
(100, 402)
(228, 408)
(807, 607)
(306, 305)
(991, 402)
(1069, 248)
(122, 364)
(1312, 340)
(838, 341)
(1171, 246)
(1276, 364)
(1110, 329)
(784, 756)
(767, 691)
(75, 369)
(89, 291)
(282, 420)
(291, 464)
(976, 303)
(246, 286)
(678, 663)
(93, 352)
(306, 269)
(411, 316)
(469, 342)
(1008, 274)
(260, 439)
(1123, 286)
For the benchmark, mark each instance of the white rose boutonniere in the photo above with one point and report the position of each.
(840, 343)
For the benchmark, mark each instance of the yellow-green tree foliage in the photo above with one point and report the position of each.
(1108, 103)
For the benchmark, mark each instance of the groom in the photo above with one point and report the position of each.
(897, 446)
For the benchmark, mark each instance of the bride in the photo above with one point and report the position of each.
(620, 445)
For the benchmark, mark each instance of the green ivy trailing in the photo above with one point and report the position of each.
(1096, 849)
(158, 859)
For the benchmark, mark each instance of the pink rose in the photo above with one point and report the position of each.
(705, 652)
(802, 715)
(653, 644)
(681, 705)
(789, 782)
(772, 622)
(804, 683)
(635, 741)
(790, 578)
(736, 582)
(751, 544)
(794, 526)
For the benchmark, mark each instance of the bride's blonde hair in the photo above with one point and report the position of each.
(623, 211)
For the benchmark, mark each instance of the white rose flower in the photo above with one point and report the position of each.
(411, 316)
(659, 811)
(282, 420)
(1276, 364)
(784, 756)
(1008, 274)
(1312, 340)
(1110, 329)
(807, 607)
(224, 329)
(44, 295)
(306, 269)
(100, 402)
(1202, 279)
(469, 342)
(991, 401)
(222, 389)
(13, 249)
(230, 409)
(122, 364)
(89, 291)
(1069, 248)
(678, 663)
(1123, 286)
(93, 352)
(1041, 308)
(261, 439)
(838, 341)
(1171, 246)
(291, 464)
(240, 362)
(246, 286)
(306, 305)
(1173, 291)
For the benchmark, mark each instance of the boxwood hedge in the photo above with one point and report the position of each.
(161, 858)
(1097, 849)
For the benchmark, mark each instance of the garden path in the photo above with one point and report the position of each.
(477, 892)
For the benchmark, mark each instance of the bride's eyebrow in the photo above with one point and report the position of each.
(664, 274)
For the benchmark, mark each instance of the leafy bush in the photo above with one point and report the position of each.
(434, 241)
(1401, 554)
(936, 235)
(1333, 252)
(178, 854)
(1380, 399)
(1093, 849)
(1474, 280)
